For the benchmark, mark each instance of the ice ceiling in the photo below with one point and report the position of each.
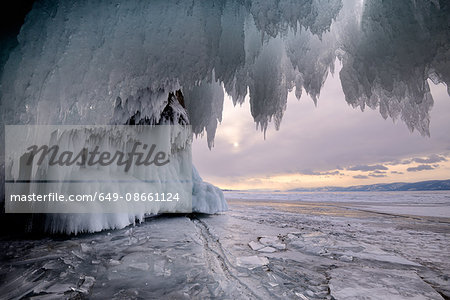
(99, 62)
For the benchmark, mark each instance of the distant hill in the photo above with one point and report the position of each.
(431, 185)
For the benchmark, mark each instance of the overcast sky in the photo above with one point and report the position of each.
(331, 144)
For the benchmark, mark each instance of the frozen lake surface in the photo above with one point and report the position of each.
(417, 203)
(266, 246)
(406, 197)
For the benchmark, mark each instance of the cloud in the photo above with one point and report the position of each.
(399, 162)
(430, 159)
(394, 163)
(396, 172)
(420, 168)
(379, 172)
(377, 175)
(366, 168)
(361, 177)
(316, 173)
(434, 158)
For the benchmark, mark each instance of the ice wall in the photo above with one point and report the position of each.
(177, 177)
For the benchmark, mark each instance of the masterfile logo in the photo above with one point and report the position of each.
(98, 169)
(92, 157)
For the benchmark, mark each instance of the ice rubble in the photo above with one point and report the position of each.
(205, 250)
(352, 283)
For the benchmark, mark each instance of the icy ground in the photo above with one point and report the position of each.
(258, 249)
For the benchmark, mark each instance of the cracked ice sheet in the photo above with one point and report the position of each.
(317, 244)
(161, 257)
(358, 283)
